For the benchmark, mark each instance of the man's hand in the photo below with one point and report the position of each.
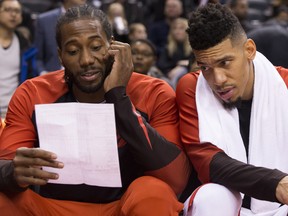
(28, 163)
(122, 67)
(282, 191)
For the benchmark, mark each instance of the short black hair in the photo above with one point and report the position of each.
(148, 42)
(211, 24)
(86, 11)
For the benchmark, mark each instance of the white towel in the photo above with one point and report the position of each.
(268, 145)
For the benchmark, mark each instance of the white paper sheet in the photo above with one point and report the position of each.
(84, 138)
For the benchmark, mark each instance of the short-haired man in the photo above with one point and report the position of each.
(233, 120)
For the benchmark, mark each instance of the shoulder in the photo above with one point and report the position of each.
(187, 83)
(151, 95)
(39, 90)
(283, 73)
(44, 88)
(140, 84)
(50, 79)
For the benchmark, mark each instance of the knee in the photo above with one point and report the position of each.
(149, 187)
(147, 192)
(217, 200)
(214, 193)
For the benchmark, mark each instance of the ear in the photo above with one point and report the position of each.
(250, 49)
(59, 56)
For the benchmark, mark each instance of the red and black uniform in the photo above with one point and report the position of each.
(147, 127)
(1, 126)
(210, 162)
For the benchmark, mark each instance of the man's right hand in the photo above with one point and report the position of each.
(28, 163)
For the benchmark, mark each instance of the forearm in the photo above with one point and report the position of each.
(157, 155)
(151, 149)
(7, 182)
(257, 182)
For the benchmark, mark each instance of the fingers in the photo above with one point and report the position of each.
(122, 66)
(26, 176)
(28, 163)
(121, 52)
(36, 152)
(35, 157)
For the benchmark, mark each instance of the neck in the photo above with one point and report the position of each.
(169, 20)
(6, 33)
(248, 94)
(5, 37)
(83, 97)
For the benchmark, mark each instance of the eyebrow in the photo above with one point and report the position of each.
(224, 58)
(74, 40)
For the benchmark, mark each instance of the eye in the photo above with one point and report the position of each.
(72, 52)
(224, 63)
(95, 48)
(204, 68)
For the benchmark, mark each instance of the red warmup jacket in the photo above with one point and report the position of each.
(146, 122)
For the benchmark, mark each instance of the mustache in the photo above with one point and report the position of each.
(89, 69)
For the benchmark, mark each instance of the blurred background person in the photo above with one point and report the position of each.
(117, 18)
(272, 38)
(14, 49)
(27, 25)
(174, 58)
(272, 41)
(134, 9)
(137, 31)
(144, 58)
(154, 9)
(45, 42)
(280, 16)
(158, 31)
(240, 10)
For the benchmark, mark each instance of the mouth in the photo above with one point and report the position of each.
(137, 64)
(89, 76)
(226, 94)
(13, 21)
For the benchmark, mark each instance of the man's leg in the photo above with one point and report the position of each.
(213, 199)
(31, 203)
(149, 196)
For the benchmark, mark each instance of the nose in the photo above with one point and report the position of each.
(138, 56)
(86, 58)
(219, 77)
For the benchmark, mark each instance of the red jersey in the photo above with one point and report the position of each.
(146, 122)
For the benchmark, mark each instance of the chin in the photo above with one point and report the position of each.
(233, 104)
(88, 87)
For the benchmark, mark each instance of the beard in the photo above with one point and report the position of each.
(89, 88)
(233, 104)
